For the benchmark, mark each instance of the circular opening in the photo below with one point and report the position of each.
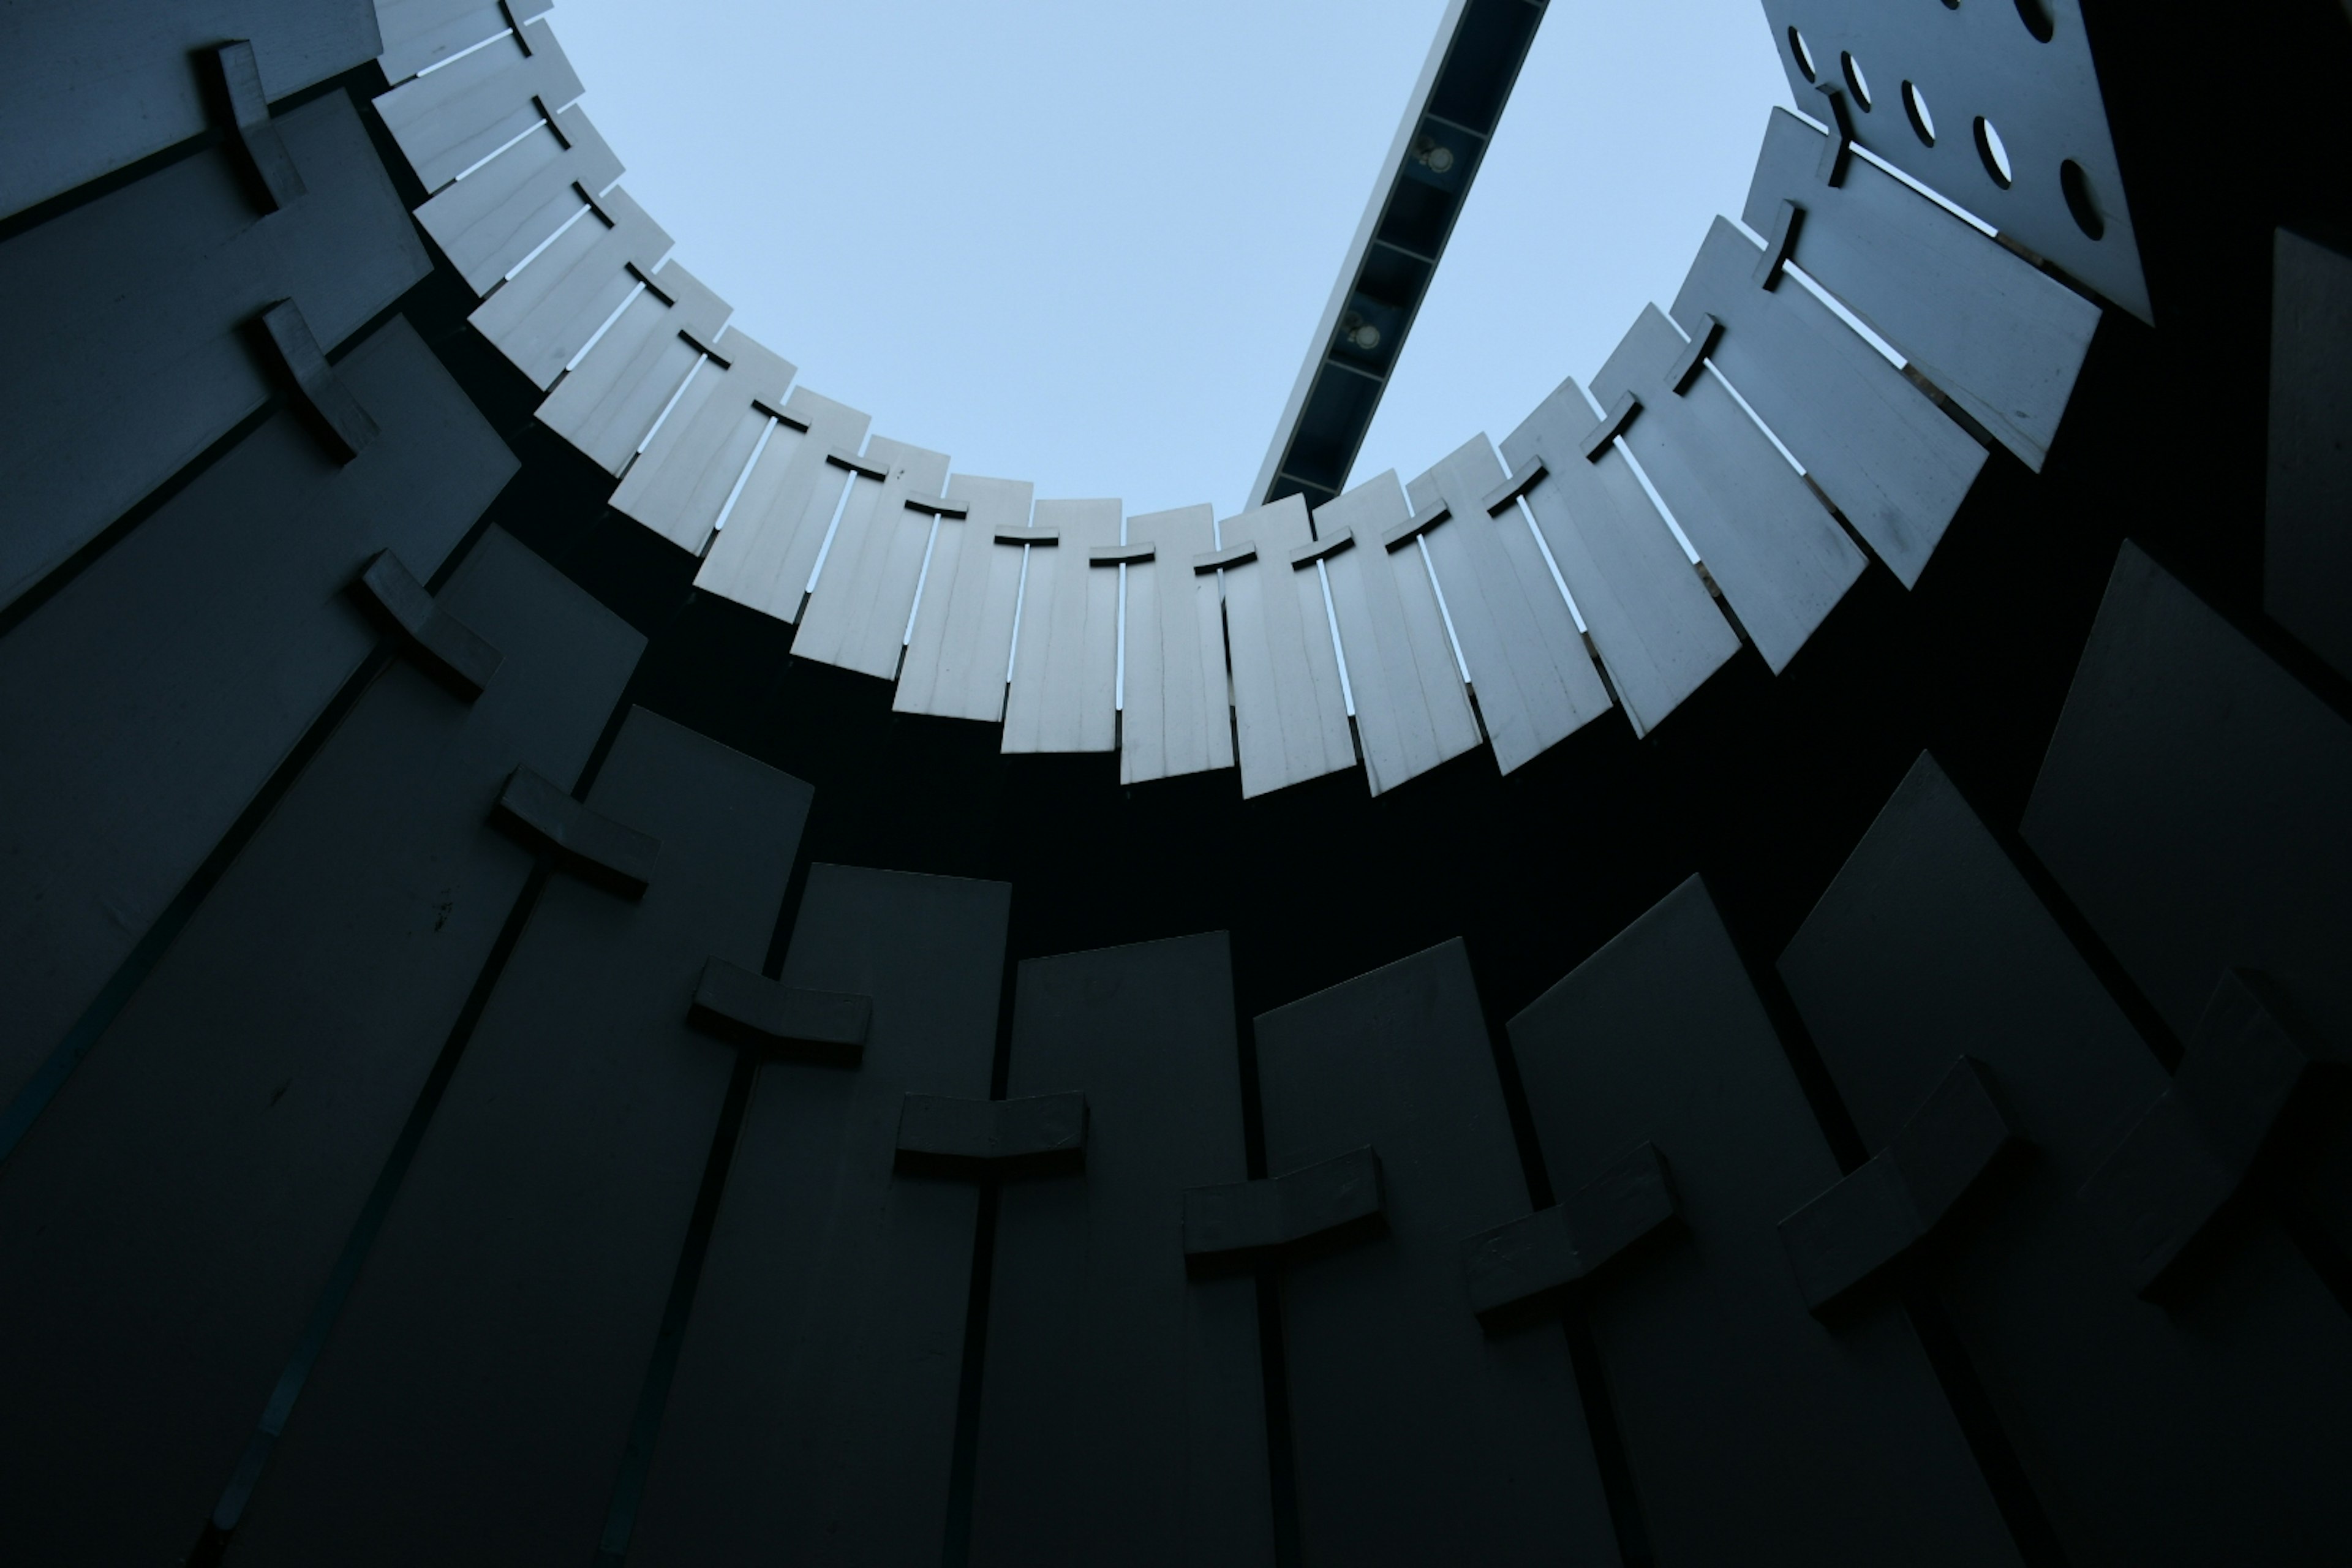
(1914, 104)
(2077, 186)
(1856, 80)
(2037, 17)
(1802, 54)
(1995, 155)
(1951, 5)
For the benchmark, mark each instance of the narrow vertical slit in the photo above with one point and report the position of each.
(1869, 551)
(1952, 411)
(459, 552)
(1755, 419)
(23, 607)
(1529, 1147)
(1253, 1112)
(1980, 1422)
(218, 1531)
(840, 506)
(671, 406)
(1601, 665)
(2004, 1474)
(1338, 653)
(1723, 603)
(483, 163)
(1609, 1455)
(1020, 601)
(598, 335)
(1478, 715)
(2088, 946)
(1933, 194)
(612, 733)
(1853, 323)
(106, 184)
(17, 1116)
(511, 273)
(780, 941)
(661, 1370)
(922, 580)
(1282, 1465)
(451, 59)
(962, 1471)
(1797, 467)
(736, 494)
(963, 1467)
(214, 1540)
(1658, 502)
(1558, 581)
(1804, 1058)
(1607, 1438)
(1430, 566)
(1233, 709)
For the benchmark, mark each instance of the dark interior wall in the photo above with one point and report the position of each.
(1759, 785)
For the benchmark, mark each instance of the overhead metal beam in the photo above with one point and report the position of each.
(1448, 122)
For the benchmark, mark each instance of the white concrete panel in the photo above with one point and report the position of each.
(490, 222)
(1655, 626)
(462, 115)
(1290, 714)
(763, 556)
(1770, 545)
(856, 615)
(680, 482)
(607, 403)
(1177, 716)
(1065, 659)
(1411, 709)
(1536, 685)
(552, 309)
(963, 621)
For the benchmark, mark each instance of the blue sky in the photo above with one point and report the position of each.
(1086, 245)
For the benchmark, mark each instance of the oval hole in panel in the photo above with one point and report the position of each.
(1914, 104)
(2077, 186)
(1802, 54)
(1856, 80)
(1995, 155)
